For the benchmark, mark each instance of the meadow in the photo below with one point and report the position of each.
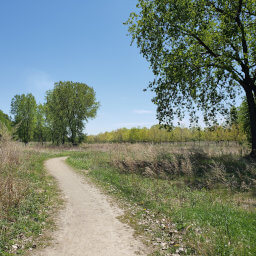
(183, 199)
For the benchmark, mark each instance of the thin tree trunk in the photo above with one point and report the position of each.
(252, 112)
(73, 137)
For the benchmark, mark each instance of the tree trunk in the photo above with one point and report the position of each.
(252, 112)
(73, 137)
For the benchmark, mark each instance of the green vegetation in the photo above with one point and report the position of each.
(184, 201)
(61, 119)
(42, 132)
(23, 108)
(236, 128)
(194, 195)
(28, 198)
(218, 133)
(244, 119)
(68, 106)
(202, 54)
(5, 120)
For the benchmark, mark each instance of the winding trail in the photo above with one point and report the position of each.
(88, 225)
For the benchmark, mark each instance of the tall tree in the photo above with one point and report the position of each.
(55, 116)
(69, 105)
(202, 53)
(23, 109)
(41, 130)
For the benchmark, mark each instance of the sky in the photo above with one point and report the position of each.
(47, 41)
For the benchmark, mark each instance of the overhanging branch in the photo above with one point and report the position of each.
(201, 42)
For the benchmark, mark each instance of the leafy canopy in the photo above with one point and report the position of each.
(244, 119)
(202, 52)
(69, 105)
(23, 108)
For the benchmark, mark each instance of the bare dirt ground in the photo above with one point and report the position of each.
(88, 224)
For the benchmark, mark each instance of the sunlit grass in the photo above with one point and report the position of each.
(28, 198)
(211, 222)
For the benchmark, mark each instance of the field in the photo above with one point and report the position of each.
(182, 199)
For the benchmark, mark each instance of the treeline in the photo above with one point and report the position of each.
(61, 119)
(156, 134)
(235, 128)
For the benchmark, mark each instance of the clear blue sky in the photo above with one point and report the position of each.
(44, 41)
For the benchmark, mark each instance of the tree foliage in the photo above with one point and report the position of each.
(233, 116)
(42, 131)
(156, 134)
(244, 118)
(69, 106)
(23, 109)
(202, 53)
(5, 120)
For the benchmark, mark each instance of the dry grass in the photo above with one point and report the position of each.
(206, 166)
(144, 149)
(167, 200)
(48, 147)
(12, 188)
(28, 197)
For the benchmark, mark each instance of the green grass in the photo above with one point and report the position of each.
(207, 222)
(24, 225)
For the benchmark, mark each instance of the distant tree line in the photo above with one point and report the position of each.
(235, 128)
(155, 134)
(61, 119)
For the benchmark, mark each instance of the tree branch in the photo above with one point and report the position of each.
(237, 58)
(208, 49)
(237, 76)
(244, 42)
(254, 78)
(215, 7)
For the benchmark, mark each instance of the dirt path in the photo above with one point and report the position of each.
(88, 224)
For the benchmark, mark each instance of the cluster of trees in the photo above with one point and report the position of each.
(62, 118)
(235, 128)
(156, 134)
(69, 105)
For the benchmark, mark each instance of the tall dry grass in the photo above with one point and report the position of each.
(209, 148)
(12, 187)
(201, 166)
